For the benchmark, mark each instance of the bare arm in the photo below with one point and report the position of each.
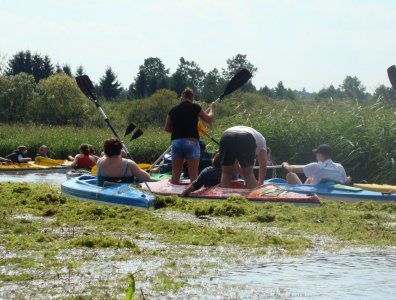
(238, 169)
(292, 168)
(138, 172)
(168, 124)
(2, 159)
(208, 116)
(23, 160)
(74, 163)
(262, 159)
(188, 190)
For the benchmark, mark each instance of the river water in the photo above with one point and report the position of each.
(53, 178)
(351, 274)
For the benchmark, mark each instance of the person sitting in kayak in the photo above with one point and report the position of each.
(5, 161)
(83, 160)
(19, 155)
(43, 151)
(243, 144)
(182, 123)
(93, 153)
(210, 176)
(113, 168)
(317, 172)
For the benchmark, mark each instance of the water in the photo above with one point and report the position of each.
(346, 275)
(52, 178)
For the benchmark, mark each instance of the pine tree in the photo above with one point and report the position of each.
(109, 85)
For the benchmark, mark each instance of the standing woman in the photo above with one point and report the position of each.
(182, 123)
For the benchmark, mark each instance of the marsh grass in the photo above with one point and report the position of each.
(363, 136)
(67, 247)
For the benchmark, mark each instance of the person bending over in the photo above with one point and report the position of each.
(113, 168)
(242, 144)
(182, 123)
(317, 172)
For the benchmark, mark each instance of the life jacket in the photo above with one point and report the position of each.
(14, 156)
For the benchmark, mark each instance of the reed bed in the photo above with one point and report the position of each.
(363, 136)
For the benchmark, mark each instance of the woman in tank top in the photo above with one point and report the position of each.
(113, 168)
(83, 160)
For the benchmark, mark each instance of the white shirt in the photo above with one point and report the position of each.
(260, 140)
(325, 171)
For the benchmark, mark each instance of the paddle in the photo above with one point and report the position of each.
(137, 134)
(392, 76)
(131, 127)
(86, 86)
(202, 129)
(235, 83)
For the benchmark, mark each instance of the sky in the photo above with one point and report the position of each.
(304, 43)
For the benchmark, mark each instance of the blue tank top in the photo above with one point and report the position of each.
(102, 178)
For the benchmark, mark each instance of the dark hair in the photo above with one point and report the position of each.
(112, 147)
(92, 150)
(216, 159)
(187, 94)
(22, 147)
(84, 149)
(325, 150)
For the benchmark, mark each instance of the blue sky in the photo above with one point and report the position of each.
(304, 43)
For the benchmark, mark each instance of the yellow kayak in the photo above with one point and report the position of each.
(49, 162)
(34, 167)
(382, 188)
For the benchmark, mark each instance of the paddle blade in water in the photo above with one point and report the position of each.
(86, 86)
(392, 76)
(131, 127)
(137, 134)
(237, 81)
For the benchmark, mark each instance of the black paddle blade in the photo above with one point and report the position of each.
(86, 86)
(131, 127)
(392, 76)
(237, 81)
(137, 134)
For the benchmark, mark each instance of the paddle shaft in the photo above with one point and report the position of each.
(111, 127)
(159, 158)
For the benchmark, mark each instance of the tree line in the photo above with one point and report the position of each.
(152, 75)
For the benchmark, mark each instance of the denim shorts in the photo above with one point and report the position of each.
(184, 148)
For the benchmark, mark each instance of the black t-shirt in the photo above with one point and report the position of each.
(209, 176)
(185, 120)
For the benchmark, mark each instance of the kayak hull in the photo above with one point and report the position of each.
(331, 191)
(265, 193)
(85, 187)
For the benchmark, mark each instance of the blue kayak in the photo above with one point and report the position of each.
(86, 187)
(333, 191)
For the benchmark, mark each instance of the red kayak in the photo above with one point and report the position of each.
(264, 193)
